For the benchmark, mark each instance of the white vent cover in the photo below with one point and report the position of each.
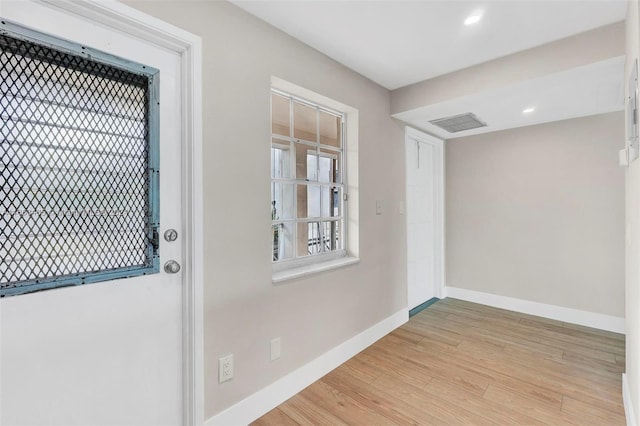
(458, 123)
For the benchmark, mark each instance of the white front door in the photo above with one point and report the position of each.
(424, 165)
(111, 352)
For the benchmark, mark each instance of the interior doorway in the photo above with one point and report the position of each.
(425, 216)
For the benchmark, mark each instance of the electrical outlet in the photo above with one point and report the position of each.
(225, 368)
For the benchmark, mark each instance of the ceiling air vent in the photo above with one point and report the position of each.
(458, 123)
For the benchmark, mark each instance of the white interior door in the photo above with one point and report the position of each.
(424, 165)
(110, 352)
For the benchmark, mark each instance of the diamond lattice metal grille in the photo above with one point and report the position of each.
(75, 184)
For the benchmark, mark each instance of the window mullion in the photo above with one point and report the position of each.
(320, 187)
(294, 175)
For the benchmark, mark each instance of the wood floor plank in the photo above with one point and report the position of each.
(403, 370)
(421, 400)
(407, 334)
(496, 413)
(511, 377)
(306, 412)
(589, 413)
(548, 413)
(618, 336)
(275, 417)
(540, 375)
(524, 359)
(365, 371)
(499, 335)
(473, 381)
(391, 407)
(348, 410)
(458, 362)
(611, 341)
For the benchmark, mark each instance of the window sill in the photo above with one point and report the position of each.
(303, 271)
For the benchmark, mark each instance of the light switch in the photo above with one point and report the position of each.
(378, 207)
(623, 157)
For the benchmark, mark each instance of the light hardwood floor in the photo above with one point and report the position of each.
(462, 363)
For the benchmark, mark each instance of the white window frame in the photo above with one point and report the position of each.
(313, 148)
(348, 254)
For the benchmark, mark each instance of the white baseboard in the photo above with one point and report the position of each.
(628, 405)
(263, 401)
(560, 313)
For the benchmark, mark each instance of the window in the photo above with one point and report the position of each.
(307, 181)
(78, 164)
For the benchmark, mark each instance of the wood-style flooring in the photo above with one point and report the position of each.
(460, 363)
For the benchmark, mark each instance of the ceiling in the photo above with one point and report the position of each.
(578, 92)
(398, 43)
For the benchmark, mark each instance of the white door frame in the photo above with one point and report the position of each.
(415, 135)
(130, 21)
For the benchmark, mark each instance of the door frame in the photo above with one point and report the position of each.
(188, 46)
(414, 135)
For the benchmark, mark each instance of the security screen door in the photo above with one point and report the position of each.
(108, 351)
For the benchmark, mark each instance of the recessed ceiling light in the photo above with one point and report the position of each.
(528, 110)
(473, 19)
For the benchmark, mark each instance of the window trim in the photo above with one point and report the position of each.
(349, 254)
(311, 259)
(314, 268)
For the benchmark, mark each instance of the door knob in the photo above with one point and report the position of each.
(172, 267)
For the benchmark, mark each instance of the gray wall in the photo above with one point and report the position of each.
(537, 213)
(243, 309)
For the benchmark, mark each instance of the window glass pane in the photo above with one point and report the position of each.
(330, 129)
(282, 235)
(306, 162)
(329, 166)
(280, 115)
(305, 122)
(313, 201)
(312, 165)
(280, 161)
(331, 197)
(281, 201)
(332, 235)
(309, 238)
(308, 201)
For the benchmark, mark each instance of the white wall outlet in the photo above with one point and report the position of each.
(225, 368)
(378, 207)
(275, 348)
